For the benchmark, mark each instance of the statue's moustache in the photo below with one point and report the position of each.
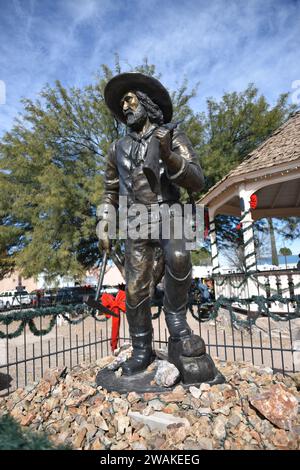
(128, 112)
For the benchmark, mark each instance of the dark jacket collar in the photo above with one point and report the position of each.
(139, 137)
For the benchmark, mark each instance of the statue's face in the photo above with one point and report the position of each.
(129, 102)
(135, 113)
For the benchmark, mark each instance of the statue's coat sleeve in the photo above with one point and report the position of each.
(184, 168)
(111, 179)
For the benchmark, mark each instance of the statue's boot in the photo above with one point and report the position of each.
(175, 302)
(140, 328)
(187, 352)
(182, 342)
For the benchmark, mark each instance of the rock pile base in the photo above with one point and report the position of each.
(255, 409)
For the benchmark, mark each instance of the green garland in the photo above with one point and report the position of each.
(202, 309)
(286, 289)
(262, 303)
(29, 317)
(15, 334)
(235, 286)
(98, 318)
(246, 276)
(35, 313)
(44, 331)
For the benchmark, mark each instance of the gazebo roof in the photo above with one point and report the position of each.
(280, 149)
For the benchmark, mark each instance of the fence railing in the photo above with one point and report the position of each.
(32, 341)
(268, 284)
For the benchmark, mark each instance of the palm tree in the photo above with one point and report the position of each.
(285, 252)
(273, 242)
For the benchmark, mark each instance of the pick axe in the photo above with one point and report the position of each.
(95, 302)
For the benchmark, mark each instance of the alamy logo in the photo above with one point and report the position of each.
(158, 221)
(2, 92)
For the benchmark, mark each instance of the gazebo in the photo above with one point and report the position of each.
(272, 173)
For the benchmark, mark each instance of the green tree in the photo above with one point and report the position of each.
(284, 251)
(233, 127)
(274, 254)
(53, 159)
(15, 437)
(201, 257)
(236, 125)
(51, 181)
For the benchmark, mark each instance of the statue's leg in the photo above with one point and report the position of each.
(138, 269)
(177, 282)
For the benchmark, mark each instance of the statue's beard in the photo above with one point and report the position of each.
(136, 119)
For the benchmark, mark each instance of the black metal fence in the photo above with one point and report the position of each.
(31, 342)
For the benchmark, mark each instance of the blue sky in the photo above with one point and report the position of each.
(222, 44)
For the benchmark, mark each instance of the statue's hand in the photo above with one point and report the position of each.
(164, 137)
(104, 240)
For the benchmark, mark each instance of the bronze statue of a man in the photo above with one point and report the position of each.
(144, 105)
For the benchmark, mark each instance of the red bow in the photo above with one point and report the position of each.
(115, 304)
(253, 201)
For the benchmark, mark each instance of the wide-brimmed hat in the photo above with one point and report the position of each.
(132, 81)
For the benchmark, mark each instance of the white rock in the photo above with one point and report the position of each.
(100, 423)
(225, 410)
(121, 445)
(204, 387)
(204, 411)
(266, 370)
(120, 404)
(234, 420)
(145, 432)
(148, 410)
(138, 446)
(118, 372)
(123, 348)
(196, 392)
(104, 361)
(158, 421)
(123, 423)
(219, 431)
(122, 357)
(205, 443)
(156, 404)
(167, 374)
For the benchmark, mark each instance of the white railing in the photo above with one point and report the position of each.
(283, 283)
